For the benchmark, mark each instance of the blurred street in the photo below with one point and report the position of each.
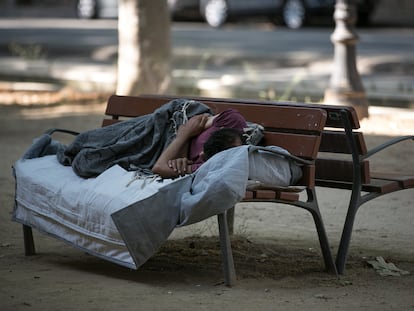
(236, 61)
(250, 59)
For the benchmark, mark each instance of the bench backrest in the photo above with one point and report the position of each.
(341, 143)
(297, 129)
(334, 113)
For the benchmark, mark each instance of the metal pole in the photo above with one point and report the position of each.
(345, 85)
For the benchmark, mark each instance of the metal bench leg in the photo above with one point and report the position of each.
(230, 219)
(227, 255)
(320, 228)
(29, 247)
(323, 241)
(343, 248)
(355, 201)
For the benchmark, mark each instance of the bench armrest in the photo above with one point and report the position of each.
(52, 130)
(386, 145)
(298, 160)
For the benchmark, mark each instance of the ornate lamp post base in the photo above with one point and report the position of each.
(345, 86)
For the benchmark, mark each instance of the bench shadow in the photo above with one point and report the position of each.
(195, 260)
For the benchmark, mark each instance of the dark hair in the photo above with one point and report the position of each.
(221, 140)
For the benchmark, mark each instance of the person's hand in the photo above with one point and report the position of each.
(209, 122)
(194, 126)
(181, 166)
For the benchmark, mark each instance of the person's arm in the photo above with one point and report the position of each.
(173, 161)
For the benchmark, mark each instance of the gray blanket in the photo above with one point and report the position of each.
(134, 144)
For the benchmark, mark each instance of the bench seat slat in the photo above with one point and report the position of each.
(405, 181)
(380, 186)
(265, 194)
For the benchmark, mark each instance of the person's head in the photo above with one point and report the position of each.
(220, 140)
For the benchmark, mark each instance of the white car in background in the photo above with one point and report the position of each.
(89, 9)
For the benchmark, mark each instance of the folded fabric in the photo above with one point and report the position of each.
(273, 169)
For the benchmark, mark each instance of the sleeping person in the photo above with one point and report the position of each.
(168, 142)
(199, 139)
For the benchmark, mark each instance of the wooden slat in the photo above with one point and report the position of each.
(263, 195)
(278, 117)
(381, 186)
(334, 184)
(308, 176)
(334, 118)
(272, 116)
(106, 122)
(304, 146)
(376, 185)
(131, 106)
(337, 142)
(340, 170)
(248, 195)
(289, 196)
(406, 181)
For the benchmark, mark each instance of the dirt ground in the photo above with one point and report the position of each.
(277, 256)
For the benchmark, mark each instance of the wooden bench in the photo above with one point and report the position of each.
(297, 129)
(341, 136)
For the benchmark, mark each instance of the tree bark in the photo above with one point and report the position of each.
(144, 47)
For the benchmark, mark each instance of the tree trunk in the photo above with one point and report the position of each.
(144, 48)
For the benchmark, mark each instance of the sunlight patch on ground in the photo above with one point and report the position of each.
(388, 121)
